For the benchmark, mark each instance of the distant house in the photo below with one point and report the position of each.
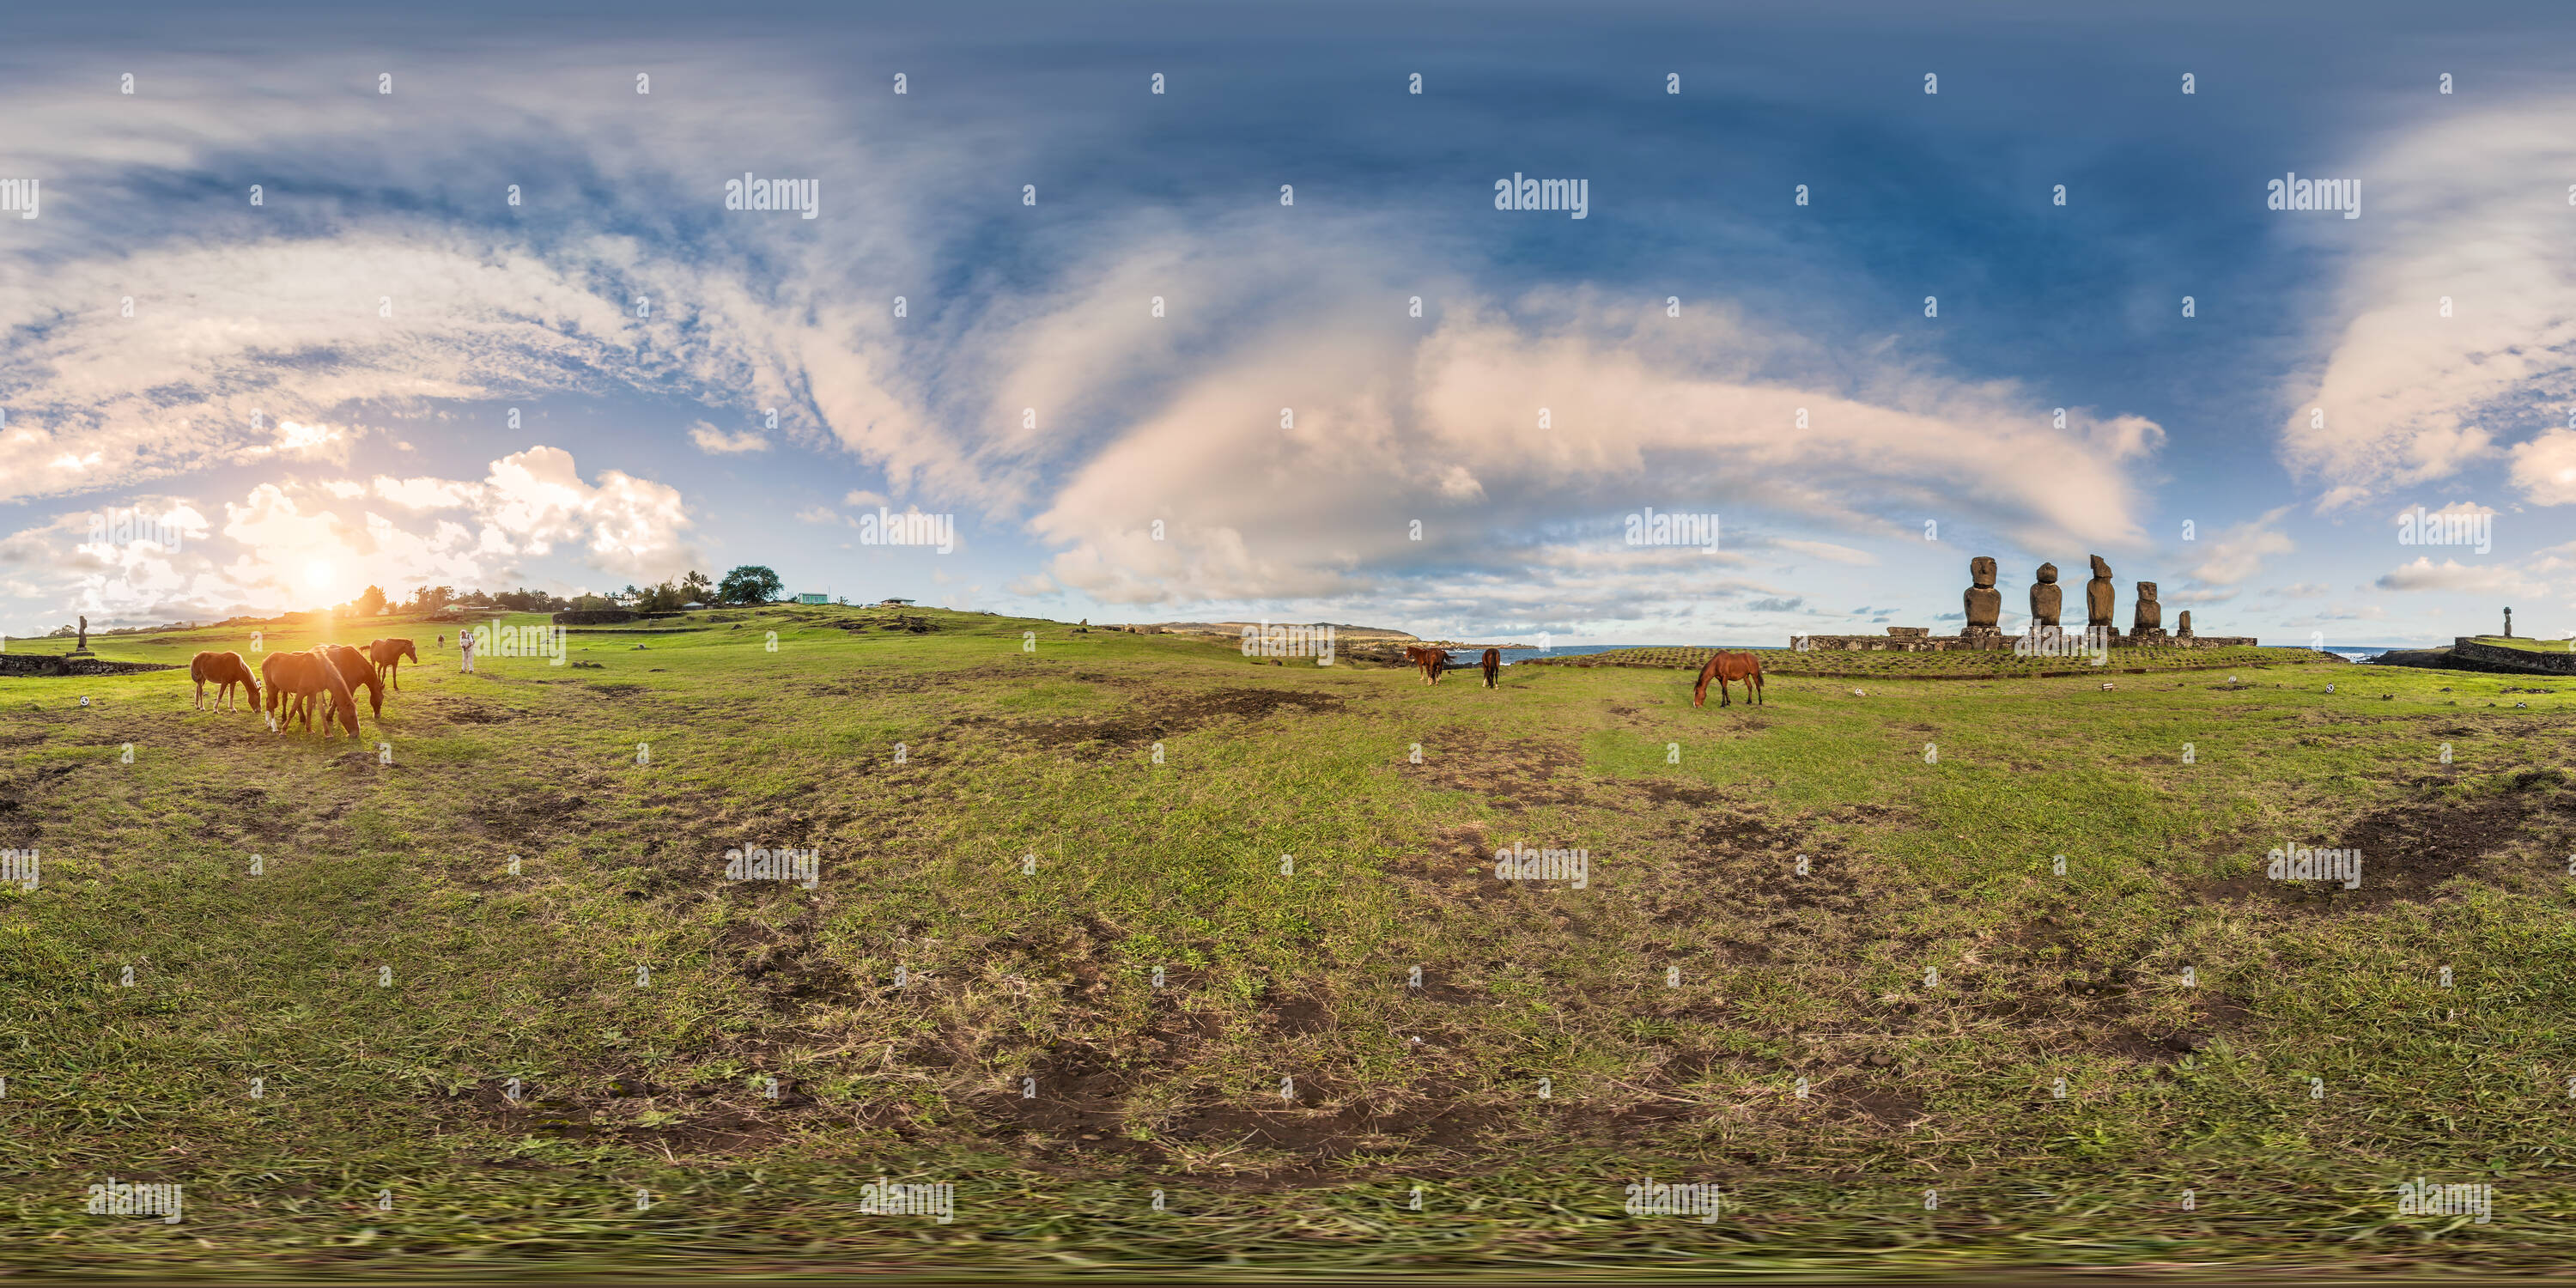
(894, 601)
(813, 599)
(692, 604)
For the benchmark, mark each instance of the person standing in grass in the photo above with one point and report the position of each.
(465, 649)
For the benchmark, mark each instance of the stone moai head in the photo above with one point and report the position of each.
(2146, 592)
(2100, 569)
(1981, 570)
(2048, 574)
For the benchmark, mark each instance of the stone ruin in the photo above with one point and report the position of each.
(1983, 611)
(1984, 603)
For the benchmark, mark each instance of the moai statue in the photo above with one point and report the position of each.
(1985, 604)
(2047, 599)
(2182, 627)
(2151, 615)
(2099, 601)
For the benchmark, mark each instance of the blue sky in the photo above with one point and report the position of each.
(314, 392)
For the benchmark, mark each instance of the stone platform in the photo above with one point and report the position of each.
(1916, 640)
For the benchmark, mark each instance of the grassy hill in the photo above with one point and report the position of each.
(1018, 827)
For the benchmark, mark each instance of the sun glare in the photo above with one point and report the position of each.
(317, 575)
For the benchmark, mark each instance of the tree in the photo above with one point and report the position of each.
(663, 598)
(371, 601)
(696, 586)
(749, 584)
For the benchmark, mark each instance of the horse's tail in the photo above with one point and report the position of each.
(197, 667)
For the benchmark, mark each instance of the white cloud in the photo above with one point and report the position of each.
(2544, 469)
(2408, 395)
(1635, 414)
(2452, 575)
(717, 442)
(2237, 553)
(1825, 550)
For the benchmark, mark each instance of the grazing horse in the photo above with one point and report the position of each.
(1723, 667)
(356, 669)
(296, 679)
(222, 670)
(1432, 661)
(389, 655)
(1494, 666)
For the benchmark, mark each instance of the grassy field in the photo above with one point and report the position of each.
(2529, 645)
(1118, 935)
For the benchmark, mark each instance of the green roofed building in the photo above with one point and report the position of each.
(813, 599)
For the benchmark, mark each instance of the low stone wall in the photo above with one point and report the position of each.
(52, 665)
(1986, 643)
(2518, 659)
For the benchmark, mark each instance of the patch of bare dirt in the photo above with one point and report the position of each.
(1517, 773)
(1145, 723)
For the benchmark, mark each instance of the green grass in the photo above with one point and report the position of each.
(1928, 814)
(2528, 645)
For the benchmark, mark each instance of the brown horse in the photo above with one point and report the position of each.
(389, 655)
(356, 669)
(1723, 667)
(222, 670)
(1493, 666)
(1432, 661)
(295, 679)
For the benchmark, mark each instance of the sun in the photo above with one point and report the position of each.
(318, 574)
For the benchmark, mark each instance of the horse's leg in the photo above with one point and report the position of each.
(1725, 695)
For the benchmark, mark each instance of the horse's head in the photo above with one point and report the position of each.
(409, 653)
(272, 669)
(342, 699)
